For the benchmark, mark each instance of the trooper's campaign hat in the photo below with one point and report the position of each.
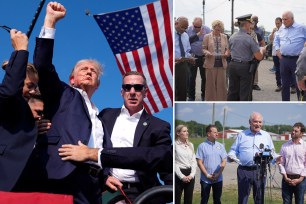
(247, 17)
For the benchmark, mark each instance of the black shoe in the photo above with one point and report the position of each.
(256, 87)
(278, 89)
(202, 98)
(191, 99)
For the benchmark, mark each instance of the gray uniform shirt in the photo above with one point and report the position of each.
(242, 46)
(301, 66)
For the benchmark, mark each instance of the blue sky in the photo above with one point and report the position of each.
(77, 37)
(238, 114)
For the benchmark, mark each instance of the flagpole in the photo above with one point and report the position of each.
(38, 10)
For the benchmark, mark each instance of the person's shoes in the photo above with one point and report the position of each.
(293, 90)
(202, 98)
(191, 99)
(278, 89)
(256, 87)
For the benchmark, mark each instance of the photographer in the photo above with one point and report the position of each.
(293, 166)
(243, 150)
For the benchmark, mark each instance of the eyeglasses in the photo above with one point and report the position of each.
(8, 29)
(137, 87)
(197, 26)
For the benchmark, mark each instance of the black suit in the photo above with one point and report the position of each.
(17, 125)
(150, 132)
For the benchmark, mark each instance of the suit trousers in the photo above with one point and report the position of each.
(85, 188)
(193, 76)
(240, 82)
(248, 179)
(181, 74)
(287, 71)
(180, 186)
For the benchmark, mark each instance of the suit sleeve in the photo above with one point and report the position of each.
(49, 83)
(159, 158)
(15, 74)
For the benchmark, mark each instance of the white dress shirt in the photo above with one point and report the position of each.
(123, 136)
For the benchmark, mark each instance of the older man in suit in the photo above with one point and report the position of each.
(17, 125)
(72, 114)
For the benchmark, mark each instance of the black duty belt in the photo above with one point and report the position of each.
(248, 168)
(290, 57)
(240, 61)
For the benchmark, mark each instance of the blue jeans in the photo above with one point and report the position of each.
(298, 191)
(205, 191)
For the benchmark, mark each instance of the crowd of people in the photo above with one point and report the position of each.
(228, 65)
(248, 150)
(55, 140)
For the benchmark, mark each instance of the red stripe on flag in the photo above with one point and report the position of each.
(147, 108)
(119, 65)
(153, 77)
(159, 52)
(125, 62)
(167, 27)
(140, 69)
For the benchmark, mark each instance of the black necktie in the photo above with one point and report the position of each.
(181, 46)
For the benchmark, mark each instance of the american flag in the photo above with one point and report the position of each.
(141, 40)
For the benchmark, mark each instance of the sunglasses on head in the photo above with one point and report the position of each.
(137, 87)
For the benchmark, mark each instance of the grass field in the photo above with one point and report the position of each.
(229, 196)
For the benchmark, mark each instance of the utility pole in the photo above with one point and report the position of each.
(232, 16)
(223, 126)
(203, 12)
(213, 115)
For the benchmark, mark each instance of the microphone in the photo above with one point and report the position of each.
(261, 146)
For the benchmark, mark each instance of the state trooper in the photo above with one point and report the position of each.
(243, 49)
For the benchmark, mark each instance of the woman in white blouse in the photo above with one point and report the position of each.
(185, 165)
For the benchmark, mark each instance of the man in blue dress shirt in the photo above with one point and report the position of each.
(288, 42)
(248, 144)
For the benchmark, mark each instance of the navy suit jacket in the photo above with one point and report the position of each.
(17, 125)
(150, 132)
(66, 109)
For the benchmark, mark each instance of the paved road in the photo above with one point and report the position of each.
(266, 82)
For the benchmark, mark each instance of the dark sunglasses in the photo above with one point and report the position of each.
(8, 29)
(137, 87)
(197, 26)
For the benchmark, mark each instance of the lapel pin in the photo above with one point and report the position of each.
(144, 123)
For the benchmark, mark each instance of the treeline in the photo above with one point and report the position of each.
(196, 129)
